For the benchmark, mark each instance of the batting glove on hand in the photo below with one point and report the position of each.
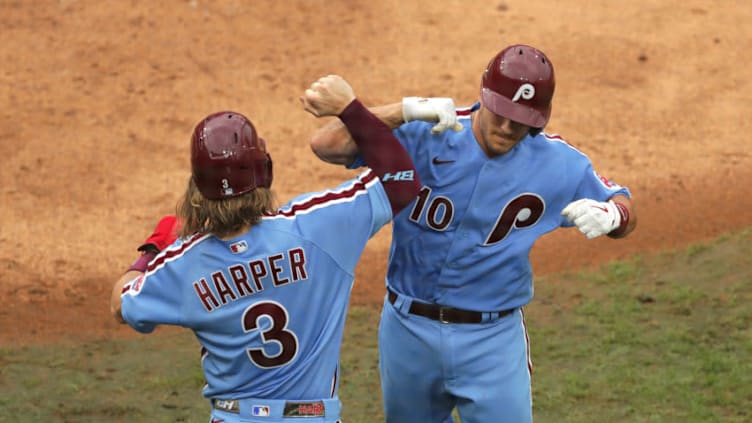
(433, 109)
(164, 234)
(593, 218)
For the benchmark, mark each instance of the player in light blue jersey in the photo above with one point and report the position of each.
(266, 290)
(452, 332)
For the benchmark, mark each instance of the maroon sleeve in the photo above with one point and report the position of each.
(383, 153)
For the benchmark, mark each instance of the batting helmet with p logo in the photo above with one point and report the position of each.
(518, 84)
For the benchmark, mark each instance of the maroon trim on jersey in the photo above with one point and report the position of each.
(464, 111)
(555, 137)
(172, 253)
(363, 180)
(329, 196)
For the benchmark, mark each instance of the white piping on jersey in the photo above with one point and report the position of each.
(167, 255)
(558, 138)
(306, 205)
(464, 112)
(171, 254)
(318, 200)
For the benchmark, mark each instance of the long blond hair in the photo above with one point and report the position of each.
(222, 217)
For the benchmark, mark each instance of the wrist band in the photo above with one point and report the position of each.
(142, 262)
(623, 220)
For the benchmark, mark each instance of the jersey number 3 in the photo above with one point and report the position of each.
(521, 212)
(276, 333)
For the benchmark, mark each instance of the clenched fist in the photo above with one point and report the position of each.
(593, 218)
(328, 96)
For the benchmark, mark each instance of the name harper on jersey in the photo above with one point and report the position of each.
(242, 279)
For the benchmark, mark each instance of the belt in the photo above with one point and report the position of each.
(447, 314)
(256, 407)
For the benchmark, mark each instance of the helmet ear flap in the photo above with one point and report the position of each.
(264, 174)
(269, 176)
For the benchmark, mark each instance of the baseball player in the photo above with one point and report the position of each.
(266, 290)
(452, 332)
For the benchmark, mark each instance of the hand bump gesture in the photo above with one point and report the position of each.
(328, 96)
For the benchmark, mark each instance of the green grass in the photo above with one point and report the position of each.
(664, 338)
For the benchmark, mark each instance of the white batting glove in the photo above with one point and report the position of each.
(432, 109)
(593, 218)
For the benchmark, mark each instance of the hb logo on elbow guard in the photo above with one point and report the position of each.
(405, 175)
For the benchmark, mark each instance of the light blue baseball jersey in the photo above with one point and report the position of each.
(465, 241)
(268, 307)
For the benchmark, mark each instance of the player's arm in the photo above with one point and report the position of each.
(333, 142)
(626, 213)
(382, 152)
(117, 291)
(164, 234)
(615, 217)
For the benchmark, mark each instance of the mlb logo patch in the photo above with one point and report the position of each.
(260, 410)
(238, 247)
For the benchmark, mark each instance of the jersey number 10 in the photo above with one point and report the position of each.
(522, 211)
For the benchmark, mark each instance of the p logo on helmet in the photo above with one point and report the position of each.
(518, 84)
(526, 91)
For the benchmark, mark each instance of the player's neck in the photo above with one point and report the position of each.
(235, 234)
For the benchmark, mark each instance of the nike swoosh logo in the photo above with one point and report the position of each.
(605, 210)
(436, 161)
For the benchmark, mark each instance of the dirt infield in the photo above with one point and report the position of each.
(97, 100)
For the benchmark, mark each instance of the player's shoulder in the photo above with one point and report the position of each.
(178, 252)
(413, 128)
(466, 112)
(559, 144)
(312, 202)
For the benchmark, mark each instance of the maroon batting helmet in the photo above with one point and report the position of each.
(228, 158)
(518, 84)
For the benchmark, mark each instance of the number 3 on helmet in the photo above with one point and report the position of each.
(228, 158)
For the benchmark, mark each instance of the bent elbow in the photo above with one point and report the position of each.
(320, 148)
(116, 313)
(323, 147)
(333, 144)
